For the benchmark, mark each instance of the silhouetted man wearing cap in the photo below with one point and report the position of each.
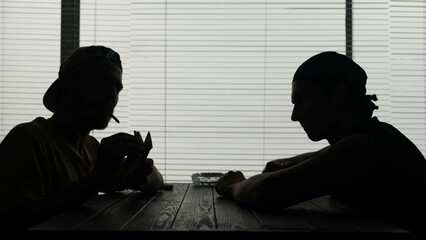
(368, 164)
(49, 165)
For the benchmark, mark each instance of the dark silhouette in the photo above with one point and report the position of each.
(369, 164)
(50, 165)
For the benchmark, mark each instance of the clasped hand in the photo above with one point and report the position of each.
(225, 183)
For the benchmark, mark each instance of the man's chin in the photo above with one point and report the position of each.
(101, 126)
(315, 138)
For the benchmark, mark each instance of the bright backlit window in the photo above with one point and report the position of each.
(211, 80)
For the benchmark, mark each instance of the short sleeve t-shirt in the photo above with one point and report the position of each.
(395, 186)
(36, 161)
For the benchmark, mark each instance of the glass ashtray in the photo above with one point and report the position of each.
(206, 178)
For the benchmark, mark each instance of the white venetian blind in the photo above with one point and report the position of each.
(408, 68)
(29, 58)
(211, 79)
(371, 50)
(390, 43)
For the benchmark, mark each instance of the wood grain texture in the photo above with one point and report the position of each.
(116, 217)
(162, 211)
(198, 212)
(232, 216)
(73, 218)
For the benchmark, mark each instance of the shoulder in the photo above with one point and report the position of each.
(382, 130)
(26, 130)
(24, 143)
(392, 141)
(355, 140)
(357, 147)
(37, 135)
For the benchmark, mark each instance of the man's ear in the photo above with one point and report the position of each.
(342, 93)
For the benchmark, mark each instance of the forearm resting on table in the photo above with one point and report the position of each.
(331, 168)
(246, 192)
(281, 189)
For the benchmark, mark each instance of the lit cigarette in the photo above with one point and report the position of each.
(115, 119)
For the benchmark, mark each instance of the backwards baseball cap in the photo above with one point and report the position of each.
(329, 68)
(80, 57)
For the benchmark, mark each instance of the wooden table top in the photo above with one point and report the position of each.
(197, 212)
